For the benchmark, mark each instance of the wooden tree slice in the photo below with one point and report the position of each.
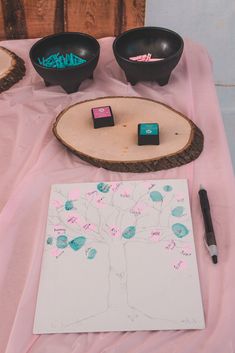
(12, 69)
(115, 148)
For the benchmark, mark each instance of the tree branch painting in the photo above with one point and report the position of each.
(124, 218)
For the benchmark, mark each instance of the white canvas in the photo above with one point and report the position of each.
(119, 256)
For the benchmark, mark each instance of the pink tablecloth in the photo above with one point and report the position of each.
(32, 159)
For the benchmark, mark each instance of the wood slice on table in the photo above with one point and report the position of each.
(115, 148)
(12, 69)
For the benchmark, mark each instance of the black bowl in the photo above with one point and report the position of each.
(69, 78)
(160, 42)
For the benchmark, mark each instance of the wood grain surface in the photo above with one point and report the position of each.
(43, 17)
(2, 30)
(133, 14)
(90, 15)
(13, 18)
(181, 141)
(12, 69)
(38, 18)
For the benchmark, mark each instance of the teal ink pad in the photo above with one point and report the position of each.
(148, 134)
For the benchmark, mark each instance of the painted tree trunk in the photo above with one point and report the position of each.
(117, 296)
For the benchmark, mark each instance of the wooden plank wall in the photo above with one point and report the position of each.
(38, 18)
(2, 31)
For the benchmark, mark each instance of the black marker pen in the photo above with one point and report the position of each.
(209, 230)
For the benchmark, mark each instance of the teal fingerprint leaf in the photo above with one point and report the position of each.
(102, 187)
(178, 211)
(180, 230)
(62, 241)
(49, 240)
(156, 196)
(129, 232)
(68, 205)
(77, 243)
(167, 188)
(91, 254)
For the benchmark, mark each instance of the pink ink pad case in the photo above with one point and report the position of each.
(102, 116)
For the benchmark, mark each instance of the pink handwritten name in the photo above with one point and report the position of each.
(115, 186)
(115, 231)
(59, 229)
(89, 227)
(92, 192)
(72, 220)
(155, 235)
(56, 252)
(57, 203)
(151, 186)
(179, 197)
(171, 245)
(186, 251)
(180, 265)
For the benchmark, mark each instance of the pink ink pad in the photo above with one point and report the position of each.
(102, 116)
